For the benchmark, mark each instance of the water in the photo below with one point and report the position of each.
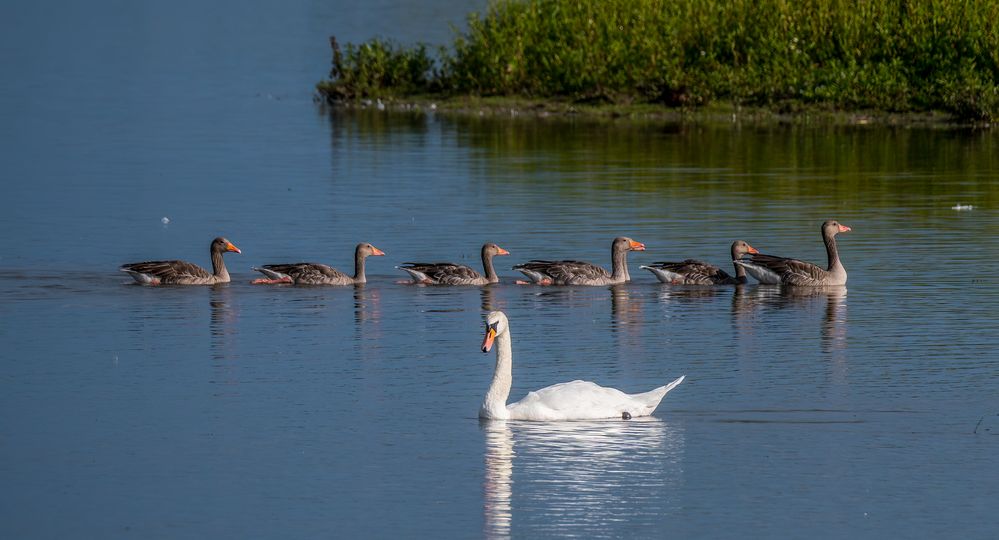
(245, 411)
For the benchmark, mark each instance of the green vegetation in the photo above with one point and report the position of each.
(784, 55)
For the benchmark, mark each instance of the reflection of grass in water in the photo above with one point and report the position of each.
(862, 167)
(894, 56)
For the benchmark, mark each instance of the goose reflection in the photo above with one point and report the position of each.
(626, 313)
(222, 330)
(223, 322)
(488, 294)
(834, 316)
(688, 293)
(748, 301)
(367, 304)
(579, 475)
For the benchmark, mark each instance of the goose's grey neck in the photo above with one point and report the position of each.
(830, 240)
(487, 265)
(619, 264)
(359, 266)
(218, 266)
(740, 272)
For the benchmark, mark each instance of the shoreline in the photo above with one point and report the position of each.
(717, 114)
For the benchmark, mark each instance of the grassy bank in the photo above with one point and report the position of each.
(909, 56)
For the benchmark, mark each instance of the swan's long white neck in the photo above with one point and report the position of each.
(494, 406)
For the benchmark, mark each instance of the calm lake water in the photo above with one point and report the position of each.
(244, 411)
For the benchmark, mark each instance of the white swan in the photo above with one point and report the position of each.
(576, 400)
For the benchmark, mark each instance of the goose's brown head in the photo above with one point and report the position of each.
(367, 250)
(741, 247)
(623, 243)
(222, 245)
(833, 227)
(492, 249)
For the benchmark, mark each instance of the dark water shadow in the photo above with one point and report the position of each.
(689, 293)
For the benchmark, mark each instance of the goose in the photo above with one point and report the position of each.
(694, 272)
(576, 400)
(583, 273)
(771, 270)
(183, 272)
(456, 274)
(316, 273)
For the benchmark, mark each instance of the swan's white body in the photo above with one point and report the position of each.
(576, 400)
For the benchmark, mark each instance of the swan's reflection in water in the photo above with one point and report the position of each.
(577, 477)
(499, 478)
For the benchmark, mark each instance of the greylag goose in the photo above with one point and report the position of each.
(771, 270)
(316, 273)
(583, 273)
(456, 274)
(182, 272)
(576, 400)
(695, 272)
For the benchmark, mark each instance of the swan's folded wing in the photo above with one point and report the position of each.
(576, 400)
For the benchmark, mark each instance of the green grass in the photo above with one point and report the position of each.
(902, 56)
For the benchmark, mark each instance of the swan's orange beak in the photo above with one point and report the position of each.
(502, 251)
(752, 250)
(636, 246)
(376, 251)
(844, 228)
(487, 342)
(230, 247)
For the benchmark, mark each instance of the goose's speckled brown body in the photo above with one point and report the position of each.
(316, 273)
(456, 274)
(583, 273)
(771, 270)
(183, 272)
(695, 272)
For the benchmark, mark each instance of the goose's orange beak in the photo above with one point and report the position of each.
(636, 246)
(844, 228)
(230, 247)
(502, 251)
(752, 250)
(487, 342)
(376, 251)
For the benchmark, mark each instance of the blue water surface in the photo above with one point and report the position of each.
(245, 411)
